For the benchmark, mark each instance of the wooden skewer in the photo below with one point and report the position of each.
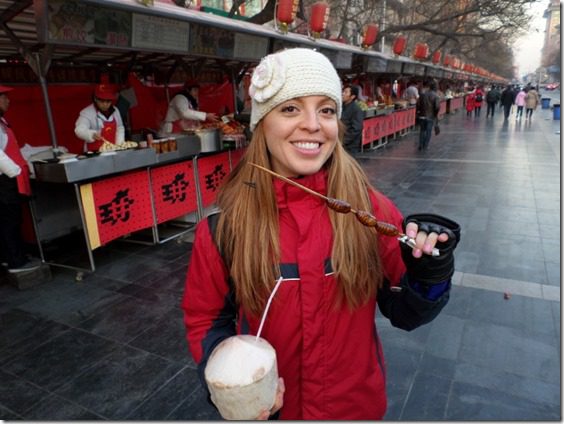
(289, 181)
(383, 228)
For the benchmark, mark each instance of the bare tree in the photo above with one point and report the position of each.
(479, 31)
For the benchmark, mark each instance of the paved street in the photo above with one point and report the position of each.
(113, 347)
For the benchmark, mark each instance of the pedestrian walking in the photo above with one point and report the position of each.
(470, 101)
(493, 96)
(478, 99)
(325, 270)
(428, 107)
(507, 100)
(532, 101)
(520, 103)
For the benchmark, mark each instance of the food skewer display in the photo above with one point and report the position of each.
(341, 206)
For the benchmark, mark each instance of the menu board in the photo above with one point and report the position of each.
(419, 69)
(75, 22)
(250, 47)
(376, 64)
(210, 41)
(394, 67)
(284, 44)
(153, 32)
(409, 68)
(343, 60)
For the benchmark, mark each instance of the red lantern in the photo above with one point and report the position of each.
(319, 18)
(436, 57)
(447, 60)
(370, 34)
(421, 51)
(286, 13)
(399, 44)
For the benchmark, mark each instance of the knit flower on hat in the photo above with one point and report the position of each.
(267, 80)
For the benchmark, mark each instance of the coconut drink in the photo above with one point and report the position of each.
(242, 377)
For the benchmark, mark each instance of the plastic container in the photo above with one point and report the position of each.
(545, 102)
(556, 112)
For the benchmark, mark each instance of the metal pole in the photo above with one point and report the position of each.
(43, 82)
(383, 27)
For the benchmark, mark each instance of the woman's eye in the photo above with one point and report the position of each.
(328, 110)
(289, 108)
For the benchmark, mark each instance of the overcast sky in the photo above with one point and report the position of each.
(528, 48)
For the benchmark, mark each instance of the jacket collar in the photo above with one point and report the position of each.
(286, 192)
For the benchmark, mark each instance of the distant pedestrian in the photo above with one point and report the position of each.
(470, 100)
(353, 118)
(532, 101)
(492, 98)
(428, 107)
(411, 93)
(507, 100)
(478, 99)
(520, 102)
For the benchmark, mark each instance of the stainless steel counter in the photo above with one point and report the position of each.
(121, 161)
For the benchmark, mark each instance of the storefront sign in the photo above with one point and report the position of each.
(343, 60)
(210, 41)
(174, 190)
(409, 68)
(153, 32)
(250, 47)
(376, 64)
(393, 67)
(212, 170)
(74, 22)
(419, 69)
(116, 206)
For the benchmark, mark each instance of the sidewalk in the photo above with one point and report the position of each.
(113, 347)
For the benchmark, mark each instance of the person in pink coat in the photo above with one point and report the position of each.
(520, 102)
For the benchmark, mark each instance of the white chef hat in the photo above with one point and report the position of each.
(292, 73)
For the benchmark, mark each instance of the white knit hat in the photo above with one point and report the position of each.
(292, 73)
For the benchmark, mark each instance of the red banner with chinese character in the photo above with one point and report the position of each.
(211, 172)
(116, 206)
(236, 156)
(174, 190)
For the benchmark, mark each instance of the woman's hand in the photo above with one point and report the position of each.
(424, 242)
(278, 403)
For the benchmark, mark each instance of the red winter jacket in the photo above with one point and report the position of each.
(331, 359)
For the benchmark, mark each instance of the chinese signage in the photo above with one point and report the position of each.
(152, 32)
(76, 22)
(211, 172)
(116, 206)
(174, 190)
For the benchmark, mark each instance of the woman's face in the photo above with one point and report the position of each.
(301, 134)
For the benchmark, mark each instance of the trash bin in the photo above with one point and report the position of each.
(545, 102)
(556, 112)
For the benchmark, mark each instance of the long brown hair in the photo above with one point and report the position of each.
(248, 231)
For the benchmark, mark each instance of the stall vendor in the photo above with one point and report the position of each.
(14, 186)
(183, 113)
(100, 122)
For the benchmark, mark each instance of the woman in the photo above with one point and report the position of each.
(532, 101)
(100, 122)
(333, 268)
(520, 102)
(470, 102)
(478, 99)
(183, 113)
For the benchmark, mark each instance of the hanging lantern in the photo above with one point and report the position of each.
(318, 19)
(436, 57)
(399, 44)
(370, 35)
(421, 51)
(286, 13)
(447, 60)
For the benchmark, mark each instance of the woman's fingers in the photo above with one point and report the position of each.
(278, 401)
